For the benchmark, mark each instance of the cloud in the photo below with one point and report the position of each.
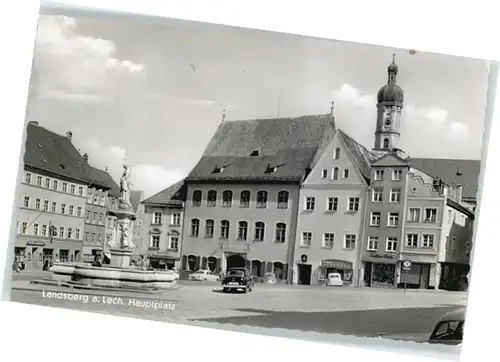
(82, 67)
(349, 94)
(149, 178)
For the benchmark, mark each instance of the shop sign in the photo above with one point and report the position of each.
(407, 264)
(382, 256)
(303, 258)
(337, 264)
(35, 243)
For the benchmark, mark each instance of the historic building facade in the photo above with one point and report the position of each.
(331, 213)
(243, 195)
(162, 227)
(52, 202)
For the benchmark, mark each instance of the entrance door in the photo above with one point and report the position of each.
(368, 274)
(425, 272)
(305, 274)
(47, 256)
(235, 261)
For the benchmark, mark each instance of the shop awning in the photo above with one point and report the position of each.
(337, 264)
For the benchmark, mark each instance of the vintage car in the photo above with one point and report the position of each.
(205, 275)
(449, 329)
(237, 279)
(334, 279)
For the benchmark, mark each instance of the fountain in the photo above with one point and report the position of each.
(119, 273)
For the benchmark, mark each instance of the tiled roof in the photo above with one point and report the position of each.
(285, 165)
(135, 199)
(102, 178)
(362, 157)
(452, 172)
(48, 151)
(287, 144)
(172, 195)
(241, 138)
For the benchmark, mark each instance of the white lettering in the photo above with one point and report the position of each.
(66, 296)
(151, 304)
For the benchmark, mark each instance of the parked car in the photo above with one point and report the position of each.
(205, 275)
(237, 279)
(334, 279)
(449, 329)
(271, 278)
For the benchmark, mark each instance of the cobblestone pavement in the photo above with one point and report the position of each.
(354, 311)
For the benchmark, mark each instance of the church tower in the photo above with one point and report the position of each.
(389, 107)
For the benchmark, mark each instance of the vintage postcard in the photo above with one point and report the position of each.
(198, 173)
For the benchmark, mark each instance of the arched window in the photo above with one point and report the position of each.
(283, 199)
(211, 198)
(242, 230)
(195, 227)
(245, 198)
(224, 229)
(262, 199)
(280, 232)
(209, 228)
(227, 198)
(386, 143)
(259, 231)
(197, 198)
(336, 153)
(335, 175)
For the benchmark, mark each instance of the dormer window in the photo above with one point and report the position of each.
(218, 169)
(270, 169)
(255, 153)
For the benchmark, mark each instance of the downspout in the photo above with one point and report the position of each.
(364, 228)
(183, 210)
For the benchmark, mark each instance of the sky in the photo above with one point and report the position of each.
(151, 92)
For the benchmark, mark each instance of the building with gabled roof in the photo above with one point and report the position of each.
(52, 201)
(161, 231)
(242, 195)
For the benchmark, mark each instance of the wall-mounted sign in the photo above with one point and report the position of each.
(382, 256)
(407, 264)
(35, 243)
(303, 258)
(337, 264)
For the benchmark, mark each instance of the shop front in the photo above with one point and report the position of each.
(344, 268)
(40, 254)
(379, 270)
(454, 276)
(164, 260)
(422, 272)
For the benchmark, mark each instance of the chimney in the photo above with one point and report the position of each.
(34, 123)
(106, 168)
(69, 135)
(459, 192)
(86, 157)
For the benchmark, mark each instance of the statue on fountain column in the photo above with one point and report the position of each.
(125, 242)
(124, 201)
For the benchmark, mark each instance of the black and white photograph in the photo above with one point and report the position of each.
(188, 172)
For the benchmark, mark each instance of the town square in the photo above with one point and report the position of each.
(270, 200)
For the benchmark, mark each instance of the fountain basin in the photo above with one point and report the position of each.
(114, 277)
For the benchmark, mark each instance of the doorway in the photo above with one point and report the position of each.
(367, 277)
(47, 258)
(235, 261)
(305, 274)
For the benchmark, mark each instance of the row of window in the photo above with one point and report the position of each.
(335, 173)
(94, 218)
(261, 199)
(242, 230)
(391, 244)
(173, 242)
(92, 238)
(328, 240)
(414, 240)
(378, 175)
(413, 216)
(96, 199)
(394, 194)
(332, 203)
(429, 215)
(51, 206)
(175, 219)
(53, 184)
(43, 230)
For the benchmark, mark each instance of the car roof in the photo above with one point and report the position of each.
(456, 315)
